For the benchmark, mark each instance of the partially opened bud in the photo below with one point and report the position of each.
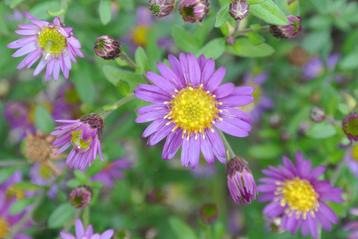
(239, 9)
(161, 8)
(287, 31)
(81, 196)
(193, 10)
(107, 47)
(350, 126)
(317, 114)
(240, 181)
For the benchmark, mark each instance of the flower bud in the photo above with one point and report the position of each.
(317, 114)
(161, 8)
(107, 47)
(94, 120)
(287, 31)
(239, 9)
(81, 196)
(208, 213)
(240, 181)
(350, 126)
(193, 10)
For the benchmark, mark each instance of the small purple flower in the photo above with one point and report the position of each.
(240, 181)
(86, 233)
(261, 102)
(189, 106)
(239, 9)
(313, 68)
(83, 135)
(53, 44)
(17, 114)
(289, 31)
(350, 126)
(299, 197)
(7, 221)
(352, 228)
(193, 10)
(351, 158)
(112, 172)
(65, 102)
(8, 187)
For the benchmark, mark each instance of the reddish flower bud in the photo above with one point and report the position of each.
(193, 10)
(317, 114)
(161, 8)
(287, 31)
(81, 196)
(239, 9)
(107, 47)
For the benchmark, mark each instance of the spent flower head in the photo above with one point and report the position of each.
(350, 126)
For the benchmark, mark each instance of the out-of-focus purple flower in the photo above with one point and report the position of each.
(239, 9)
(112, 172)
(313, 68)
(352, 228)
(83, 135)
(65, 102)
(204, 170)
(17, 114)
(86, 233)
(289, 31)
(193, 10)
(240, 181)
(53, 44)
(333, 60)
(189, 105)
(43, 175)
(299, 197)
(351, 158)
(139, 34)
(161, 8)
(261, 102)
(350, 126)
(7, 221)
(8, 186)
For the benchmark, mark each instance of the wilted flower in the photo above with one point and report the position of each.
(107, 47)
(287, 31)
(51, 43)
(80, 197)
(39, 148)
(240, 181)
(208, 213)
(350, 126)
(299, 197)
(351, 158)
(189, 106)
(83, 135)
(82, 232)
(193, 10)
(161, 8)
(239, 9)
(112, 172)
(317, 114)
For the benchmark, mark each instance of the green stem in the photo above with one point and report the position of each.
(337, 172)
(124, 57)
(247, 30)
(229, 151)
(109, 109)
(12, 162)
(86, 216)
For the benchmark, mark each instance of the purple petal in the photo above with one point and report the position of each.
(216, 79)
(172, 144)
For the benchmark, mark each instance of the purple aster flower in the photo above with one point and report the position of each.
(240, 181)
(86, 233)
(193, 10)
(139, 34)
(189, 106)
(7, 221)
(53, 44)
(289, 31)
(17, 114)
(261, 102)
(112, 172)
(83, 135)
(352, 228)
(333, 60)
(351, 158)
(313, 68)
(299, 197)
(44, 174)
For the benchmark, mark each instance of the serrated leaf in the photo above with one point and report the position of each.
(213, 49)
(244, 47)
(43, 119)
(321, 130)
(60, 216)
(269, 12)
(105, 11)
(181, 229)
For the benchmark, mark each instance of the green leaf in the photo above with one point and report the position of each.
(269, 12)
(185, 40)
(181, 229)
(61, 216)
(115, 74)
(43, 119)
(222, 16)
(244, 47)
(350, 61)
(214, 48)
(41, 9)
(105, 11)
(13, 3)
(321, 130)
(20, 205)
(141, 60)
(265, 151)
(26, 186)
(83, 83)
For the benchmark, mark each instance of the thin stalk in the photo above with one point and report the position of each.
(86, 216)
(124, 57)
(107, 110)
(229, 151)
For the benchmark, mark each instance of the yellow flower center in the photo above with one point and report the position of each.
(300, 197)
(79, 142)
(52, 41)
(355, 152)
(193, 110)
(140, 35)
(45, 172)
(4, 228)
(13, 191)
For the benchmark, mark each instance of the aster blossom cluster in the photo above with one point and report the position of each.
(190, 106)
(52, 44)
